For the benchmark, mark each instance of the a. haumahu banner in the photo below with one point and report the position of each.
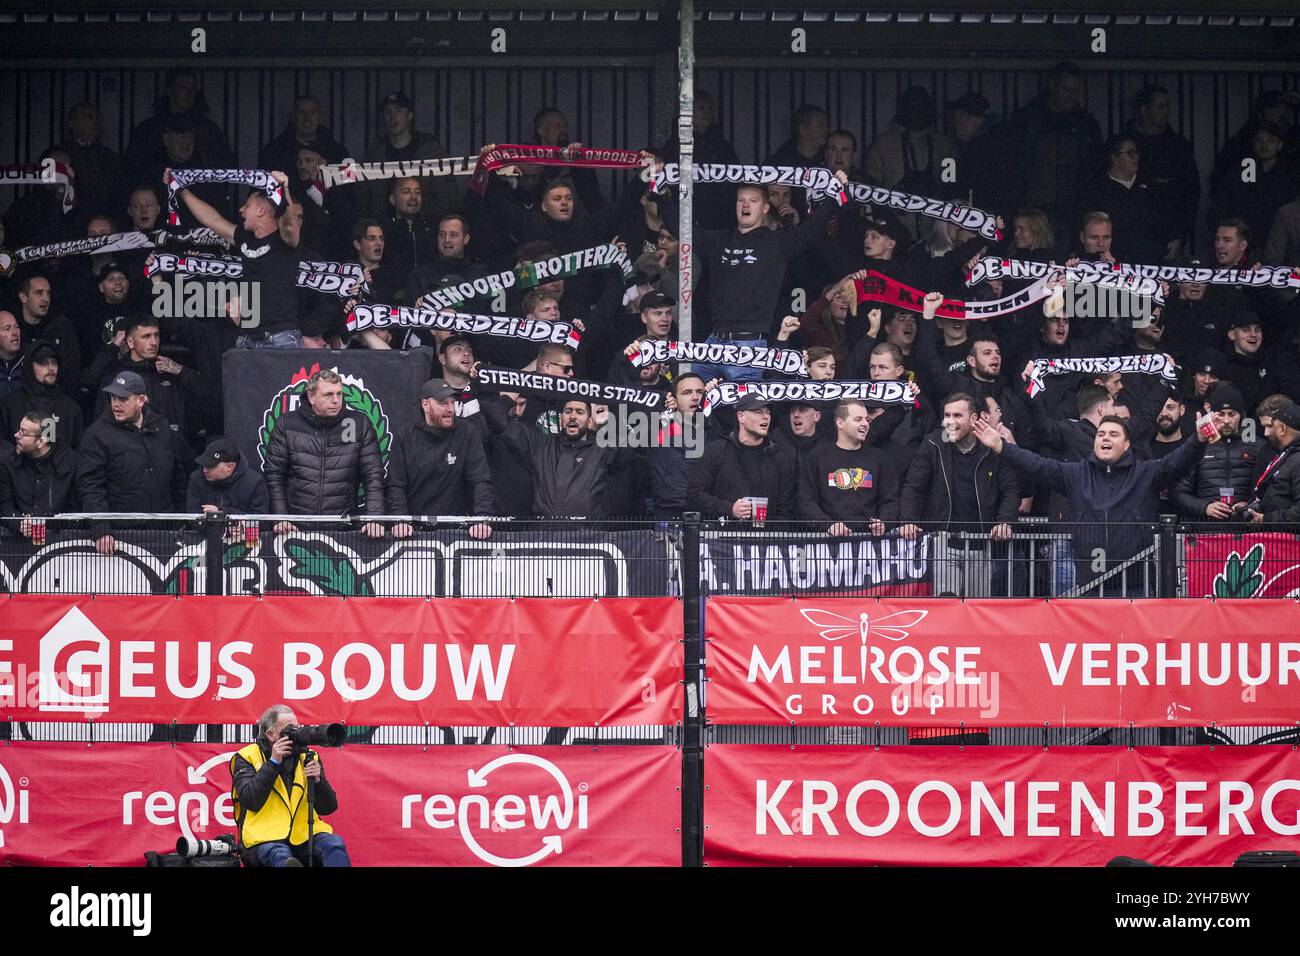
(106, 805)
(777, 805)
(763, 561)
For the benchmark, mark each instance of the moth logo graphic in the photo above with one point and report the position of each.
(74, 671)
(475, 815)
(834, 627)
(13, 801)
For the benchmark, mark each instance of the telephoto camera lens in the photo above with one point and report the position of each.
(317, 735)
(189, 848)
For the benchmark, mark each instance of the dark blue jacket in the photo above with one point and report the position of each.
(243, 493)
(1111, 503)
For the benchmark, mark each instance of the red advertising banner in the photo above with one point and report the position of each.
(941, 663)
(997, 806)
(1242, 565)
(542, 662)
(73, 805)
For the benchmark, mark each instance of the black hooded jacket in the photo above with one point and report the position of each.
(124, 468)
(50, 401)
(729, 471)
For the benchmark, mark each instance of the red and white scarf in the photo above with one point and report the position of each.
(586, 157)
(881, 288)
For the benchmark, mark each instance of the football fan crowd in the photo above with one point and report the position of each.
(113, 407)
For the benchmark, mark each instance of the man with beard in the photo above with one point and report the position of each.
(1169, 427)
(570, 470)
(12, 366)
(1221, 482)
(40, 394)
(39, 478)
(846, 486)
(34, 294)
(438, 466)
(747, 464)
(954, 481)
(1276, 493)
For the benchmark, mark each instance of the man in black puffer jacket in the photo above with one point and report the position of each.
(130, 460)
(1229, 463)
(320, 453)
(40, 392)
(439, 466)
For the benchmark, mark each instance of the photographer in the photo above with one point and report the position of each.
(269, 786)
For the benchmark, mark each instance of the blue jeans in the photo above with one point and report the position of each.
(327, 850)
(731, 373)
(289, 339)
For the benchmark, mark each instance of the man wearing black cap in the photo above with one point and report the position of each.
(1248, 362)
(39, 478)
(1275, 496)
(846, 485)
(1207, 370)
(402, 142)
(1219, 485)
(656, 314)
(40, 392)
(223, 482)
(268, 261)
(747, 464)
(130, 459)
(438, 467)
(107, 310)
(1200, 314)
(34, 294)
(181, 151)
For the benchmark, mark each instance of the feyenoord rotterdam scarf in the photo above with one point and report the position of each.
(881, 288)
(552, 386)
(815, 179)
(530, 330)
(44, 173)
(789, 361)
(884, 393)
(350, 171)
(343, 279)
(587, 157)
(606, 255)
(180, 179)
(1150, 364)
(1276, 277)
(118, 242)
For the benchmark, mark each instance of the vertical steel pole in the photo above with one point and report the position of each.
(686, 161)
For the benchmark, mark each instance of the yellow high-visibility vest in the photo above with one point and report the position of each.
(283, 816)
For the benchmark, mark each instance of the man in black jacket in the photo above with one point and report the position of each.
(1225, 475)
(39, 478)
(168, 384)
(439, 466)
(38, 324)
(680, 440)
(223, 482)
(747, 464)
(955, 481)
(130, 459)
(846, 485)
(318, 455)
(40, 392)
(571, 471)
(1277, 489)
